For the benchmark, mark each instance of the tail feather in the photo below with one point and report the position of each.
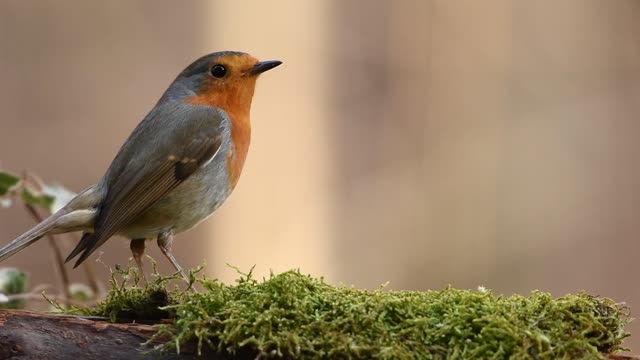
(29, 237)
(77, 215)
(82, 244)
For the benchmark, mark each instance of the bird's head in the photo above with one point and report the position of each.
(224, 79)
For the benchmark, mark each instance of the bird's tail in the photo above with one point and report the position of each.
(29, 237)
(78, 215)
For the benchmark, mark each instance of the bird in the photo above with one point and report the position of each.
(179, 164)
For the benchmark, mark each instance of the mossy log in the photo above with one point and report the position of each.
(32, 335)
(296, 316)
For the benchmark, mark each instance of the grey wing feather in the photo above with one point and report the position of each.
(172, 143)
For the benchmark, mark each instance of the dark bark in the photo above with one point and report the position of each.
(31, 335)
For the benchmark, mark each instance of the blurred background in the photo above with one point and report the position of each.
(423, 143)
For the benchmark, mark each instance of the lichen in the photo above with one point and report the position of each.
(292, 315)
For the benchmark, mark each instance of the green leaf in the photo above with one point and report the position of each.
(12, 281)
(37, 199)
(7, 181)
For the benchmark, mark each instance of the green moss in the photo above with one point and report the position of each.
(293, 315)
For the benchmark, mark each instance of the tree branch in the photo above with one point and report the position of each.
(32, 335)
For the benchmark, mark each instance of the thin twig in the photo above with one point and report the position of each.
(42, 287)
(31, 296)
(57, 254)
(29, 177)
(91, 279)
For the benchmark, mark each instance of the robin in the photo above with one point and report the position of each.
(176, 168)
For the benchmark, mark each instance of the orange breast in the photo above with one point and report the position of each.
(234, 97)
(240, 130)
(240, 139)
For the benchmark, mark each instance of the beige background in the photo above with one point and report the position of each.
(423, 143)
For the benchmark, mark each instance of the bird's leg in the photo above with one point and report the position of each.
(165, 240)
(137, 250)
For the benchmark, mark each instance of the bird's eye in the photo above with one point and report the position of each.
(218, 71)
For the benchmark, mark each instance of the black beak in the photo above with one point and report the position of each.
(263, 66)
